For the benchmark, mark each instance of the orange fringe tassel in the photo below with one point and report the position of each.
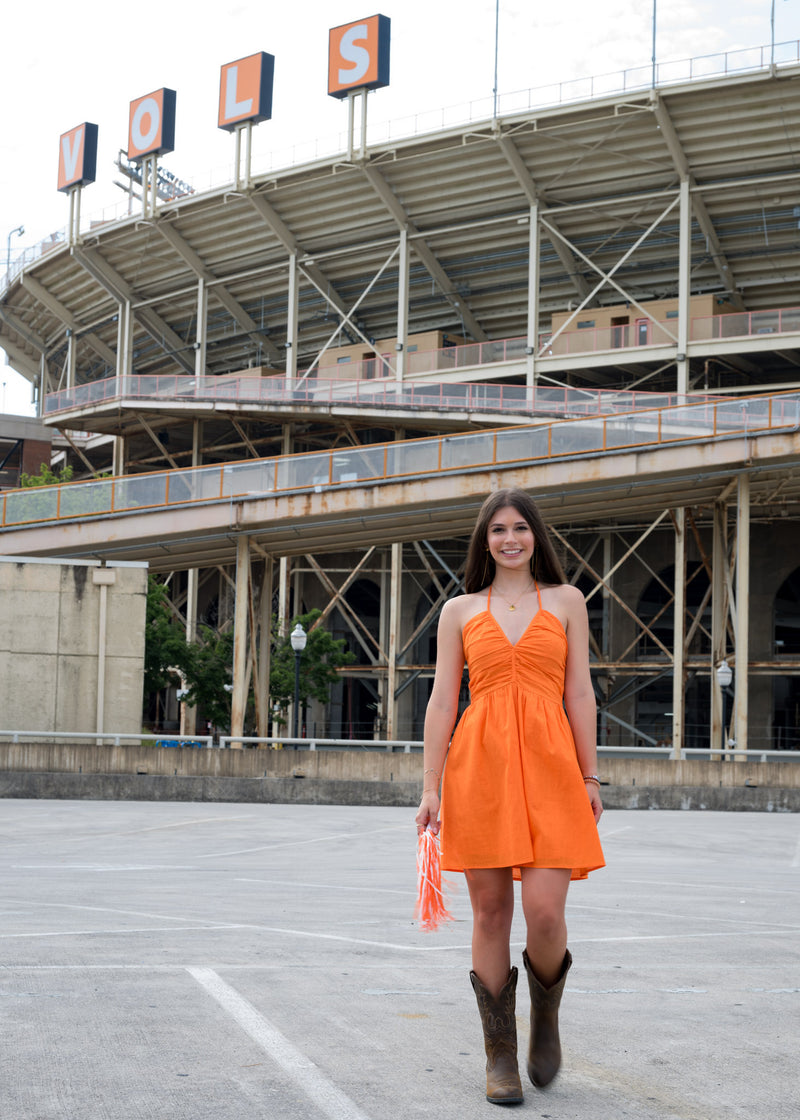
(430, 909)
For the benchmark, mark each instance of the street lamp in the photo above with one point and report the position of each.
(19, 232)
(724, 678)
(298, 638)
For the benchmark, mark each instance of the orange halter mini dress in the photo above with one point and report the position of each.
(512, 793)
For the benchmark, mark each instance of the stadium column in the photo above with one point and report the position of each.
(189, 713)
(679, 634)
(532, 344)
(240, 614)
(124, 344)
(265, 649)
(742, 612)
(202, 329)
(395, 596)
(72, 350)
(402, 306)
(684, 279)
(291, 319)
(719, 559)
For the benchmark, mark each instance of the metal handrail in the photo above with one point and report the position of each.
(101, 737)
(376, 463)
(383, 393)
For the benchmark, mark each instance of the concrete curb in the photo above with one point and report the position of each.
(325, 791)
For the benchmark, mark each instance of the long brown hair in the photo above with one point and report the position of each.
(480, 569)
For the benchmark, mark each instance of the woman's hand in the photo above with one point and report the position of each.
(595, 801)
(428, 812)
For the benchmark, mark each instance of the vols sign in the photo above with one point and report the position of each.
(77, 157)
(358, 56)
(152, 124)
(245, 90)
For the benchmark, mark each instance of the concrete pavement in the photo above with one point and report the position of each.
(187, 961)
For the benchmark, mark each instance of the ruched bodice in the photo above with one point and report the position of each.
(512, 792)
(535, 664)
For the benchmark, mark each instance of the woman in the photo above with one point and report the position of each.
(520, 793)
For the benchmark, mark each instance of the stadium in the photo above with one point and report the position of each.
(295, 390)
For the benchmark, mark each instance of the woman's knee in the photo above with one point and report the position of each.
(545, 922)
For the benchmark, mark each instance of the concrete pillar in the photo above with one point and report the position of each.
(742, 612)
(679, 636)
(239, 698)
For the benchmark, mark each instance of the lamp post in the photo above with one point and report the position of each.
(298, 639)
(19, 232)
(724, 678)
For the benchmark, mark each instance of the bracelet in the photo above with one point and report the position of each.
(430, 770)
(591, 778)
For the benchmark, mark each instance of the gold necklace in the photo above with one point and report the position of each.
(513, 606)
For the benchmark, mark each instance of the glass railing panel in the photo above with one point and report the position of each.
(358, 464)
(576, 437)
(516, 444)
(631, 429)
(790, 319)
(195, 485)
(765, 322)
(135, 491)
(690, 422)
(467, 451)
(416, 457)
(301, 471)
(87, 498)
(257, 477)
(35, 504)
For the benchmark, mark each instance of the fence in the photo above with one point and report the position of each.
(405, 459)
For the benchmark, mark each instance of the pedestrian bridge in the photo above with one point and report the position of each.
(619, 467)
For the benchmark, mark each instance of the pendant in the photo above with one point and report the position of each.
(512, 608)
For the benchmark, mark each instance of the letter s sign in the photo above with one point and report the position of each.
(358, 56)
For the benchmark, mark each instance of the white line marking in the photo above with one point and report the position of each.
(327, 1097)
(116, 932)
(326, 886)
(300, 843)
(615, 832)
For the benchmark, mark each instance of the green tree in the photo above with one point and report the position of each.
(46, 476)
(165, 646)
(319, 662)
(208, 669)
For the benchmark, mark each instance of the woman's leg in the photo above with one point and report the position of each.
(547, 961)
(494, 981)
(491, 892)
(544, 900)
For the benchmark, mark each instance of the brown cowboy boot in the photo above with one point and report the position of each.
(544, 1052)
(503, 1085)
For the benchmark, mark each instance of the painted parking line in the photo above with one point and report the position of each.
(308, 1076)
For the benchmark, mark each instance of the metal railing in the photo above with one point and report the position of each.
(384, 394)
(109, 738)
(648, 332)
(377, 463)
(404, 746)
(720, 65)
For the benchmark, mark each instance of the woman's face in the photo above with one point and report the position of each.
(510, 539)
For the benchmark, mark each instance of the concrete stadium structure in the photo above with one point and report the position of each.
(304, 384)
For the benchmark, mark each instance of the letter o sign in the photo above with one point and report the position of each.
(152, 124)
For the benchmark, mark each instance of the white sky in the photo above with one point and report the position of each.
(88, 59)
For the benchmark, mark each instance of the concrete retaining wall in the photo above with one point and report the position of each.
(356, 777)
